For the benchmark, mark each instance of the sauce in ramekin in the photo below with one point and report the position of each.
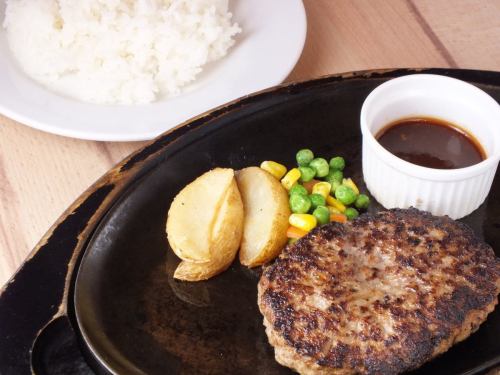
(431, 142)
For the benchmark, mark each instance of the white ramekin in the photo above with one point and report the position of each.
(395, 182)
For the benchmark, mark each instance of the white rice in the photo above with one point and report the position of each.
(117, 51)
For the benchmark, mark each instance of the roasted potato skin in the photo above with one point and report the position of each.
(225, 240)
(193, 213)
(267, 210)
(249, 211)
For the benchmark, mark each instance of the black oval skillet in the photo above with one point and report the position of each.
(129, 315)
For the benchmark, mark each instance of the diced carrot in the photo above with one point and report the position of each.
(309, 185)
(339, 218)
(293, 232)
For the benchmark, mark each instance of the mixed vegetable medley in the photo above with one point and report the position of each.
(318, 192)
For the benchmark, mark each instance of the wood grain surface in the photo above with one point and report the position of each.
(41, 174)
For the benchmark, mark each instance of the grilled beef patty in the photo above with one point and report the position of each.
(379, 295)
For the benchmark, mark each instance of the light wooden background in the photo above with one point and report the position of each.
(41, 174)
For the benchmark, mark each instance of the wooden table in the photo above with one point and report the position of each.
(41, 174)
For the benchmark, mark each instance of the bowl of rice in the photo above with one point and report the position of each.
(129, 70)
(117, 52)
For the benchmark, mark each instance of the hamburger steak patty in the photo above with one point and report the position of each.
(381, 294)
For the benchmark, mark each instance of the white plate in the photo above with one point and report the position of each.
(265, 52)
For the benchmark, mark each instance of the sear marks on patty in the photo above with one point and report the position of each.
(379, 295)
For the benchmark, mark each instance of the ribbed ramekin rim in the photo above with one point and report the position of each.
(424, 172)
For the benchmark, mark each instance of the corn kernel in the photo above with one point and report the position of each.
(323, 188)
(349, 182)
(305, 222)
(290, 178)
(333, 210)
(331, 201)
(276, 169)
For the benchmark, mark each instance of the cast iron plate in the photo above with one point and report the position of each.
(136, 318)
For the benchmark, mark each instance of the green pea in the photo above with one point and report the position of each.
(321, 167)
(351, 213)
(306, 174)
(345, 195)
(304, 157)
(335, 185)
(322, 214)
(362, 201)
(317, 200)
(334, 176)
(298, 189)
(337, 163)
(300, 203)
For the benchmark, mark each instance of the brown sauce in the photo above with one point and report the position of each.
(431, 143)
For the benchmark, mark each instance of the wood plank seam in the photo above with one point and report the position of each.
(105, 152)
(427, 29)
(9, 216)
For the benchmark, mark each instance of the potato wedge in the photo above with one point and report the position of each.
(226, 237)
(266, 216)
(193, 213)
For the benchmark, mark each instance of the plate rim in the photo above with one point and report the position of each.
(19, 115)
